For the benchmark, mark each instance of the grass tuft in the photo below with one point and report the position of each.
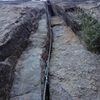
(90, 33)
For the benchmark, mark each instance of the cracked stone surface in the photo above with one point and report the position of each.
(16, 24)
(27, 83)
(91, 7)
(74, 71)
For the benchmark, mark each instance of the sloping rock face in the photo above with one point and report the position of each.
(27, 83)
(16, 24)
(74, 71)
(72, 10)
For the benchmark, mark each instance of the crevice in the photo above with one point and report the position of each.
(21, 94)
(70, 9)
(50, 13)
(50, 9)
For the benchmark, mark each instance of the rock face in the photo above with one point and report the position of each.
(74, 71)
(70, 11)
(27, 83)
(17, 22)
(24, 45)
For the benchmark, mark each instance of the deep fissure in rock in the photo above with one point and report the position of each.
(50, 9)
(50, 12)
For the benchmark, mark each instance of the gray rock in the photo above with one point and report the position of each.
(16, 24)
(71, 10)
(27, 83)
(74, 71)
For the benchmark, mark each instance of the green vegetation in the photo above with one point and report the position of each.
(90, 33)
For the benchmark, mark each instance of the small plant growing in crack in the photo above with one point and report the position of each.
(90, 32)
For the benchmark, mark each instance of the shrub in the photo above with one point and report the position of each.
(90, 33)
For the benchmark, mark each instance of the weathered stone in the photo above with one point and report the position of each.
(27, 83)
(17, 22)
(92, 8)
(6, 76)
(74, 71)
(67, 10)
(71, 10)
(15, 32)
(56, 20)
